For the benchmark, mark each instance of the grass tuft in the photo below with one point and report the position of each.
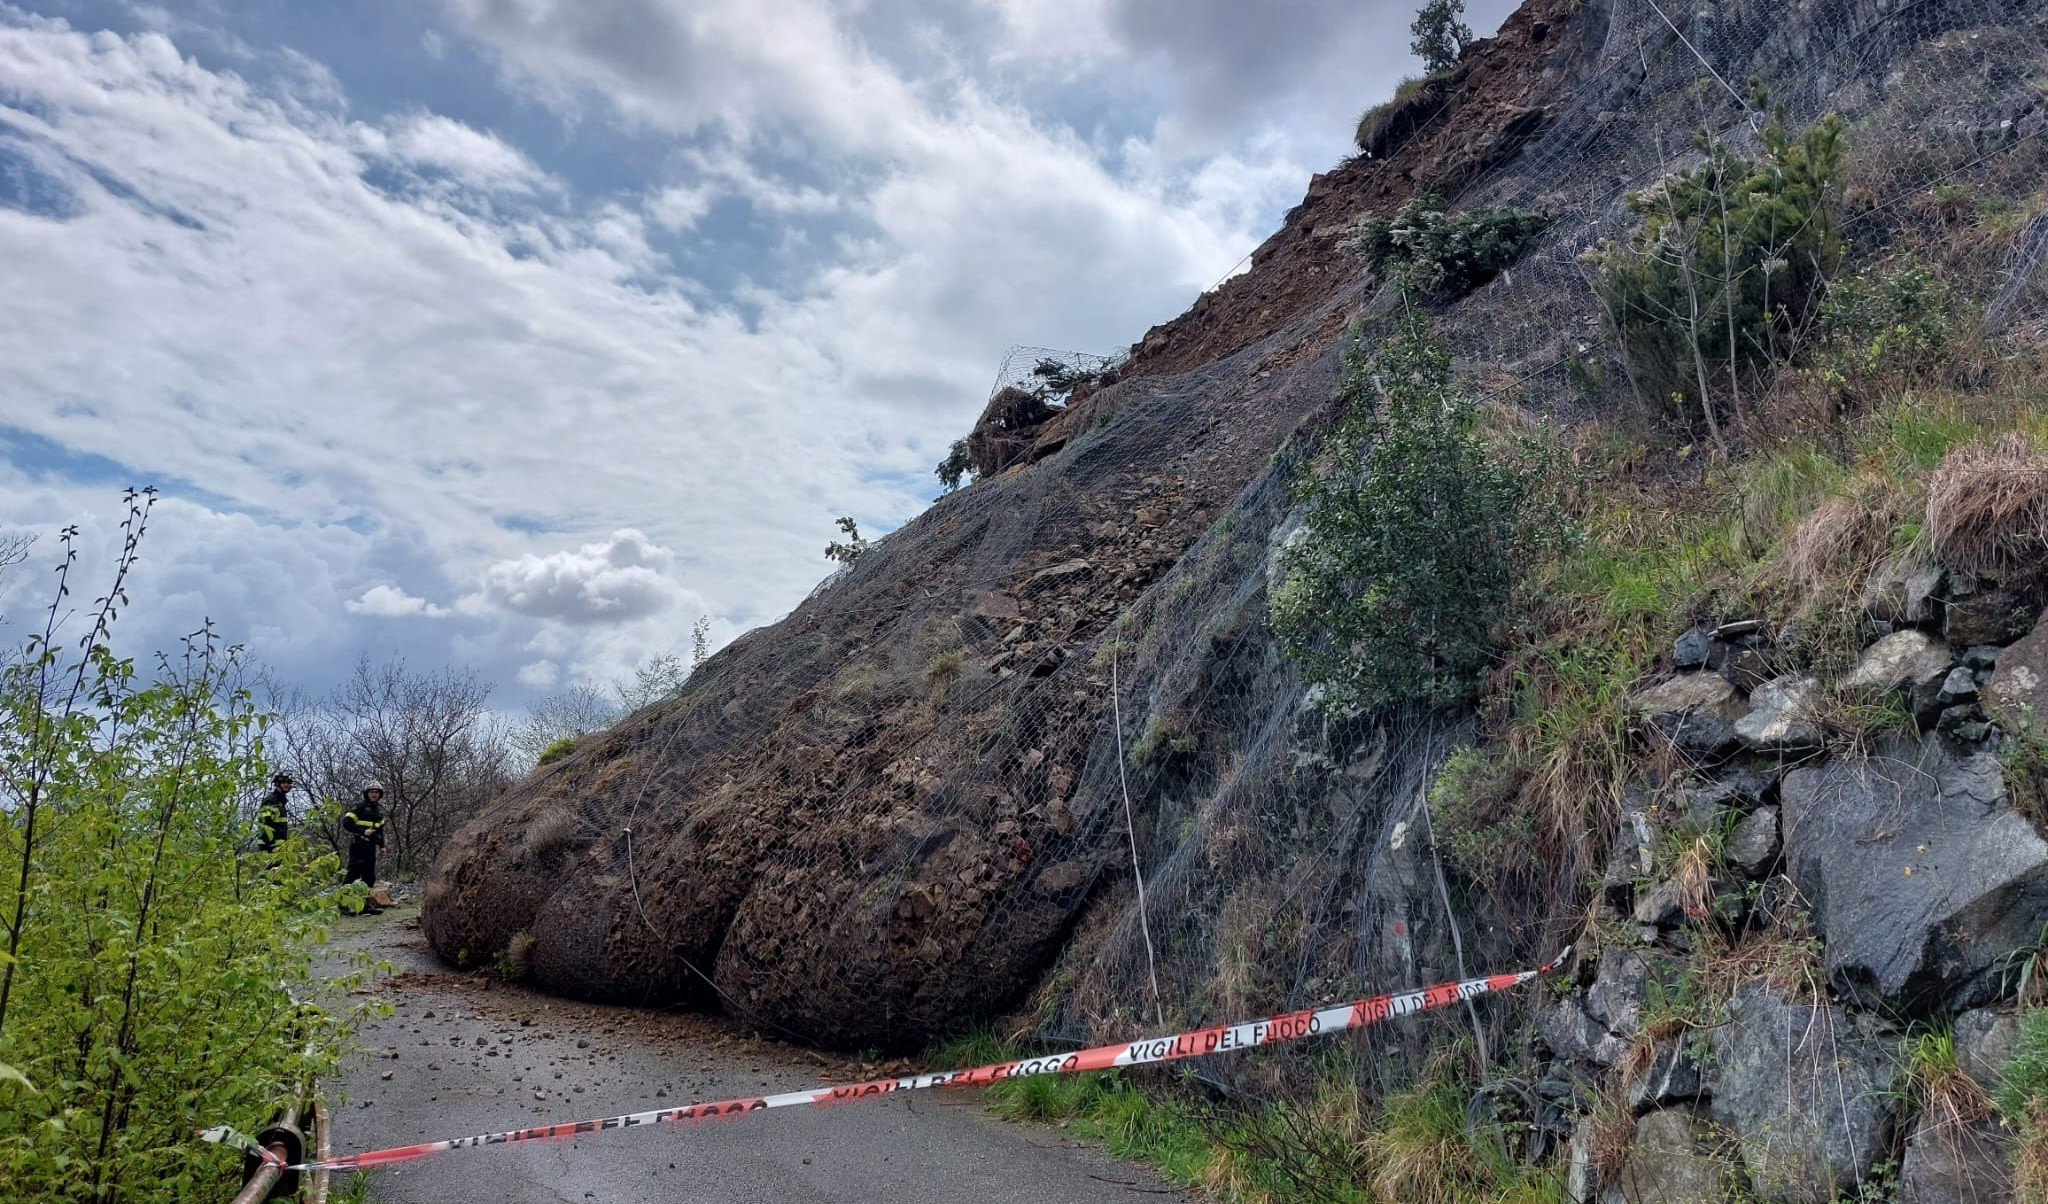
(1987, 507)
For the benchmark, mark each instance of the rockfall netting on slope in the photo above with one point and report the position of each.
(878, 819)
(1280, 844)
(887, 815)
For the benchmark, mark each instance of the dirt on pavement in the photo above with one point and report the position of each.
(464, 1053)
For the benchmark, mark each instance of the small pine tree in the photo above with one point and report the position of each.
(1417, 531)
(850, 551)
(1445, 254)
(1440, 35)
(1727, 267)
(958, 465)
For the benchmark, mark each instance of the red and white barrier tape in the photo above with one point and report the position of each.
(1293, 1026)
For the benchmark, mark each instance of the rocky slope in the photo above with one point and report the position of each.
(916, 801)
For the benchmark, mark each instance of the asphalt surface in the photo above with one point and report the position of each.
(462, 1054)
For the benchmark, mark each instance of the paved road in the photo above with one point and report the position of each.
(462, 1054)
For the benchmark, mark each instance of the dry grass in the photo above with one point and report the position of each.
(1693, 871)
(1610, 1133)
(1950, 1100)
(1987, 507)
(1785, 956)
(1842, 539)
(549, 831)
(2030, 1158)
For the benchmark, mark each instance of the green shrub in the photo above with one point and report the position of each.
(1889, 320)
(1440, 37)
(2023, 1083)
(1416, 531)
(556, 750)
(957, 466)
(1445, 254)
(151, 960)
(1726, 268)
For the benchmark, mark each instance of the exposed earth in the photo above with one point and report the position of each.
(465, 1053)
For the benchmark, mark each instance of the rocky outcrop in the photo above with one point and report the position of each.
(2016, 692)
(1956, 1163)
(1807, 1094)
(1671, 1161)
(1919, 875)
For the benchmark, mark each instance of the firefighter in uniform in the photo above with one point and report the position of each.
(273, 818)
(364, 824)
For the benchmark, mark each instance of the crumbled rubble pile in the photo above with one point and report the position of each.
(1837, 861)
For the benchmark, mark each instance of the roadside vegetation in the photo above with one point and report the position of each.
(156, 973)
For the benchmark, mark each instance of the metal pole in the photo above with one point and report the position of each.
(283, 1139)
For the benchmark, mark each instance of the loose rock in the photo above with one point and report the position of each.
(1754, 843)
(1921, 877)
(1783, 715)
(1694, 711)
(1901, 659)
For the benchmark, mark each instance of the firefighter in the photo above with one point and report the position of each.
(273, 817)
(364, 824)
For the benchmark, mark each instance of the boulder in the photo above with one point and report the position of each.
(1671, 1078)
(1806, 1096)
(1901, 659)
(1696, 712)
(1668, 1164)
(1693, 650)
(1599, 1027)
(1903, 590)
(1754, 843)
(2018, 688)
(1783, 714)
(1989, 616)
(1949, 1164)
(1985, 1041)
(1920, 876)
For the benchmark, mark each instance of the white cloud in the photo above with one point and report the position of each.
(620, 578)
(447, 385)
(389, 602)
(470, 156)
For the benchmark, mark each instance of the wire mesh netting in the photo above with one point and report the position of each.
(926, 797)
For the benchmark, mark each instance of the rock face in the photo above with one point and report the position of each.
(1805, 1094)
(2018, 690)
(1669, 1164)
(1919, 875)
(1948, 1164)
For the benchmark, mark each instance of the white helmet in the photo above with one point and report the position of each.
(376, 786)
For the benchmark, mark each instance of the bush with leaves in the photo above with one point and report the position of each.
(1890, 320)
(1726, 269)
(151, 959)
(957, 466)
(1440, 35)
(1442, 253)
(1416, 530)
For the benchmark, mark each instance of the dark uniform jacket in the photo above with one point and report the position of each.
(273, 821)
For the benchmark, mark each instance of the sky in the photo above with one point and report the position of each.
(519, 334)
